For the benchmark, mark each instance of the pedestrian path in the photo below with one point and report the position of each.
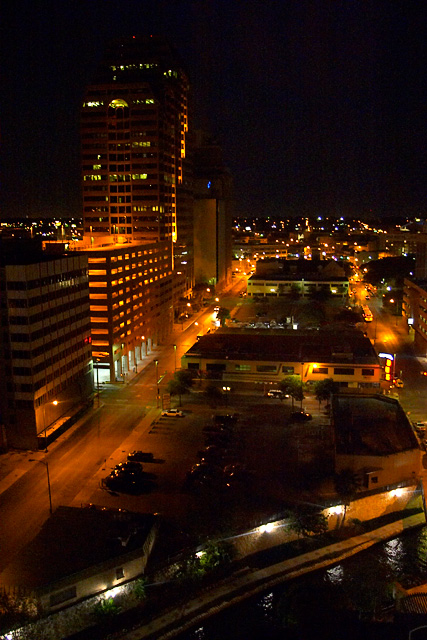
(248, 582)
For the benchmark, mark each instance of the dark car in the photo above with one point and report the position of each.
(204, 475)
(217, 439)
(217, 428)
(212, 454)
(237, 474)
(225, 418)
(140, 456)
(300, 416)
(129, 467)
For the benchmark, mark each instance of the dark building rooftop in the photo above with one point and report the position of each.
(89, 537)
(286, 346)
(371, 425)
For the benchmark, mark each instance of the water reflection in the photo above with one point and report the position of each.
(363, 581)
(335, 575)
(394, 552)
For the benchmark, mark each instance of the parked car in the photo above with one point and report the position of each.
(129, 467)
(300, 416)
(225, 418)
(212, 454)
(217, 428)
(173, 412)
(217, 439)
(140, 456)
(277, 393)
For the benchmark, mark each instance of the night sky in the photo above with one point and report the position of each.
(319, 106)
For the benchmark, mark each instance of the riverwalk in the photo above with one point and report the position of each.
(248, 582)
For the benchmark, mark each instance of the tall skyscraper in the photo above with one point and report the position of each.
(133, 135)
(213, 212)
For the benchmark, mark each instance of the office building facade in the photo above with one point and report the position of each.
(45, 344)
(131, 307)
(134, 125)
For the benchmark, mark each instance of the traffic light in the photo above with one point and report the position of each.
(388, 364)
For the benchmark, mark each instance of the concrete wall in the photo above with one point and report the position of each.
(387, 469)
(374, 506)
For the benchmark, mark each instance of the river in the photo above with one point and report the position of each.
(361, 579)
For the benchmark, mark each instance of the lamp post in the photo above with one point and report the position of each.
(174, 349)
(48, 484)
(97, 378)
(157, 382)
(55, 402)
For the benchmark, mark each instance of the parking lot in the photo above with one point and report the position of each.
(264, 455)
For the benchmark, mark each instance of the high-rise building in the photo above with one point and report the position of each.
(213, 213)
(134, 125)
(46, 373)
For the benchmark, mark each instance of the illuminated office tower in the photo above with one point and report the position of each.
(134, 124)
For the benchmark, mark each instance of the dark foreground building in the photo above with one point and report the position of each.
(45, 344)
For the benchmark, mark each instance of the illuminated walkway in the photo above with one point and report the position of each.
(249, 582)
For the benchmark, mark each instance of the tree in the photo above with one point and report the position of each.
(213, 395)
(223, 314)
(347, 483)
(106, 609)
(185, 377)
(324, 389)
(181, 383)
(295, 292)
(140, 588)
(307, 520)
(294, 387)
(176, 388)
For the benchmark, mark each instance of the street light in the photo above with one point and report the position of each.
(48, 484)
(156, 362)
(174, 349)
(97, 378)
(55, 402)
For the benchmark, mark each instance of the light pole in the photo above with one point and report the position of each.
(55, 402)
(48, 484)
(174, 349)
(157, 382)
(97, 378)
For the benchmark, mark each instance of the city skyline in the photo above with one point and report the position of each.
(317, 106)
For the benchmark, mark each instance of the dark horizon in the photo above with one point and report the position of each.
(319, 106)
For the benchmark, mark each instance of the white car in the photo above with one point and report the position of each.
(172, 412)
